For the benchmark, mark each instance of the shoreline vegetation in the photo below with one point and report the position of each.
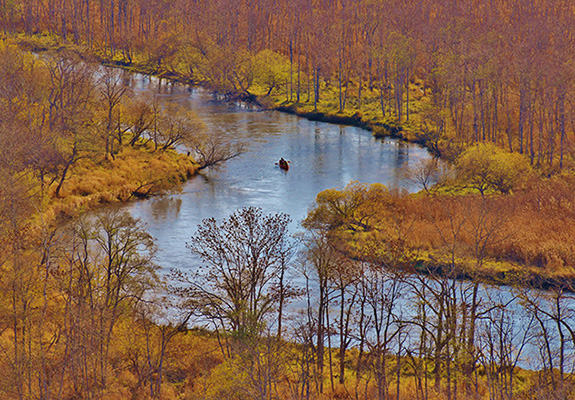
(379, 127)
(134, 173)
(459, 183)
(85, 312)
(112, 146)
(67, 162)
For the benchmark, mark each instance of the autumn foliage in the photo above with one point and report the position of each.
(396, 287)
(479, 235)
(445, 74)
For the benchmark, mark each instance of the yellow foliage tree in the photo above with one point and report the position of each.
(486, 166)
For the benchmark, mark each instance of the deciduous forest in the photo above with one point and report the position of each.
(463, 290)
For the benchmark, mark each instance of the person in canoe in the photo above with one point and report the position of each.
(283, 164)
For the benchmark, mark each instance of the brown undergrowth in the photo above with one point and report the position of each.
(524, 238)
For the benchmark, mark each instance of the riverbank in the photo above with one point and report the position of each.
(139, 347)
(134, 173)
(496, 274)
(493, 239)
(516, 265)
(368, 116)
(68, 160)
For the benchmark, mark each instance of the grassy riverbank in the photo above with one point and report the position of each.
(519, 239)
(135, 172)
(81, 311)
(63, 153)
(529, 258)
(367, 115)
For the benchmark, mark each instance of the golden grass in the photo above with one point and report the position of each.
(135, 172)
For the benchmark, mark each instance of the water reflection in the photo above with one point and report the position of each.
(166, 208)
(322, 156)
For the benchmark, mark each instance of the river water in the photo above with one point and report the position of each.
(321, 156)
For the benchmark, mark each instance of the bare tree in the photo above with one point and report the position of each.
(140, 118)
(112, 92)
(112, 267)
(213, 149)
(244, 256)
(424, 174)
(69, 111)
(321, 257)
(505, 333)
(177, 126)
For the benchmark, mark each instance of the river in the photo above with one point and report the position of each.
(321, 156)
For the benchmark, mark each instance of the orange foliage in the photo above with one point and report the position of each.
(529, 232)
(451, 75)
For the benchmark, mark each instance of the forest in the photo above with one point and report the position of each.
(448, 73)
(463, 290)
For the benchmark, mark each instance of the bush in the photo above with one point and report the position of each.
(486, 166)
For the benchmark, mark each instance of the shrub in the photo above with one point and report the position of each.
(486, 166)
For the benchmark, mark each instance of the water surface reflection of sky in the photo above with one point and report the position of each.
(322, 156)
